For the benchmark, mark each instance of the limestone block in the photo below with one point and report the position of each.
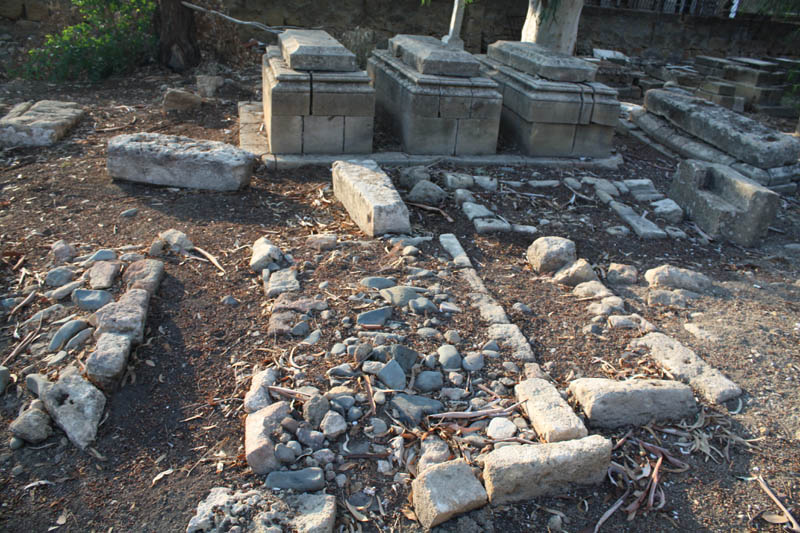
(687, 366)
(519, 473)
(38, 124)
(593, 141)
(178, 162)
(538, 60)
(445, 490)
(350, 99)
(286, 92)
(429, 55)
(723, 202)
(511, 338)
(358, 134)
(370, 198)
(428, 135)
(107, 364)
(549, 254)
(455, 102)
(549, 413)
(284, 134)
(258, 445)
(643, 227)
(740, 74)
(315, 50)
(746, 139)
(612, 404)
(323, 134)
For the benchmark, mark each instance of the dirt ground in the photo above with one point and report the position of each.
(182, 410)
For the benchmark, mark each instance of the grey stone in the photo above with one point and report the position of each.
(103, 273)
(556, 467)
(257, 396)
(666, 298)
(450, 243)
(410, 176)
(429, 381)
(315, 409)
(264, 253)
(33, 426)
(445, 490)
(393, 376)
(422, 306)
(107, 364)
(258, 445)
(37, 384)
(281, 281)
(59, 276)
(490, 311)
(126, 316)
(405, 356)
(315, 50)
(668, 210)
(473, 211)
(370, 198)
(374, 282)
(63, 252)
(305, 480)
(5, 378)
(178, 241)
(207, 86)
(429, 55)
(501, 428)
(179, 162)
(333, 425)
(463, 195)
(146, 274)
(411, 408)
(425, 192)
(91, 300)
(723, 202)
(284, 454)
(180, 100)
(619, 274)
(399, 296)
(315, 513)
(511, 337)
(539, 60)
(549, 254)
(612, 404)
(473, 362)
(455, 180)
(76, 406)
(735, 134)
(65, 290)
(376, 317)
(490, 225)
(641, 226)
(576, 273)
(673, 277)
(550, 415)
(449, 357)
(312, 438)
(65, 333)
(38, 124)
(685, 365)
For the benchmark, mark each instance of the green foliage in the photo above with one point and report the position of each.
(114, 36)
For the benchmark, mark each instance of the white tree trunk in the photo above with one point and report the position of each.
(553, 23)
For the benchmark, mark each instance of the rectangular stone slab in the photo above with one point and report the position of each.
(178, 162)
(315, 50)
(734, 134)
(611, 404)
(370, 197)
(688, 367)
(429, 55)
(535, 59)
(519, 473)
(641, 226)
(549, 413)
(38, 124)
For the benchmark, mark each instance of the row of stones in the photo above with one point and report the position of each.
(74, 403)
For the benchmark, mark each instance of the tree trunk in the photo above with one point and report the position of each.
(797, 129)
(553, 23)
(177, 40)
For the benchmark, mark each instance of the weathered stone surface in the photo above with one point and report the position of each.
(126, 316)
(688, 367)
(179, 162)
(145, 274)
(445, 490)
(65, 333)
(426, 192)
(399, 295)
(91, 300)
(673, 277)
(538, 60)
(316, 513)
(370, 198)
(668, 210)
(410, 409)
(315, 50)
(33, 426)
(641, 226)
(38, 124)
(592, 289)
(548, 254)
(107, 364)
(258, 429)
(735, 134)
(549, 413)
(429, 55)
(75, 405)
(305, 480)
(264, 253)
(619, 274)
(611, 404)
(723, 202)
(510, 337)
(103, 273)
(576, 273)
(180, 100)
(518, 473)
(258, 396)
(450, 243)
(281, 281)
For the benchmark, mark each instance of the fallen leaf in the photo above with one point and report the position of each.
(356, 514)
(161, 475)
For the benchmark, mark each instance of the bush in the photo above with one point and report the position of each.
(114, 37)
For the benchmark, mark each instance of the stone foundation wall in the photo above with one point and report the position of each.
(362, 24)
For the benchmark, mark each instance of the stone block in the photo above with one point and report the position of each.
(765, 96)
(455, 102)
(538, 60)
(349, 99)
(174, 161)
(593, 140)
(477, 136)
(315, 50)
(445, 490)
(723, 202)
(643, 227)
(718, 87)
(428, 135)
(538, 139)
(38, 124)
(358, 134)
(612, 404)
(12, 9)
(323, 134)
(485, 104)
(284, 134)
(549, 254)
(519, 473)
(687, 366)
(549, 413)
(107, 364)
(258, 429)
(734, 134)
(429, 55)
(511, 338)
(370, 198)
